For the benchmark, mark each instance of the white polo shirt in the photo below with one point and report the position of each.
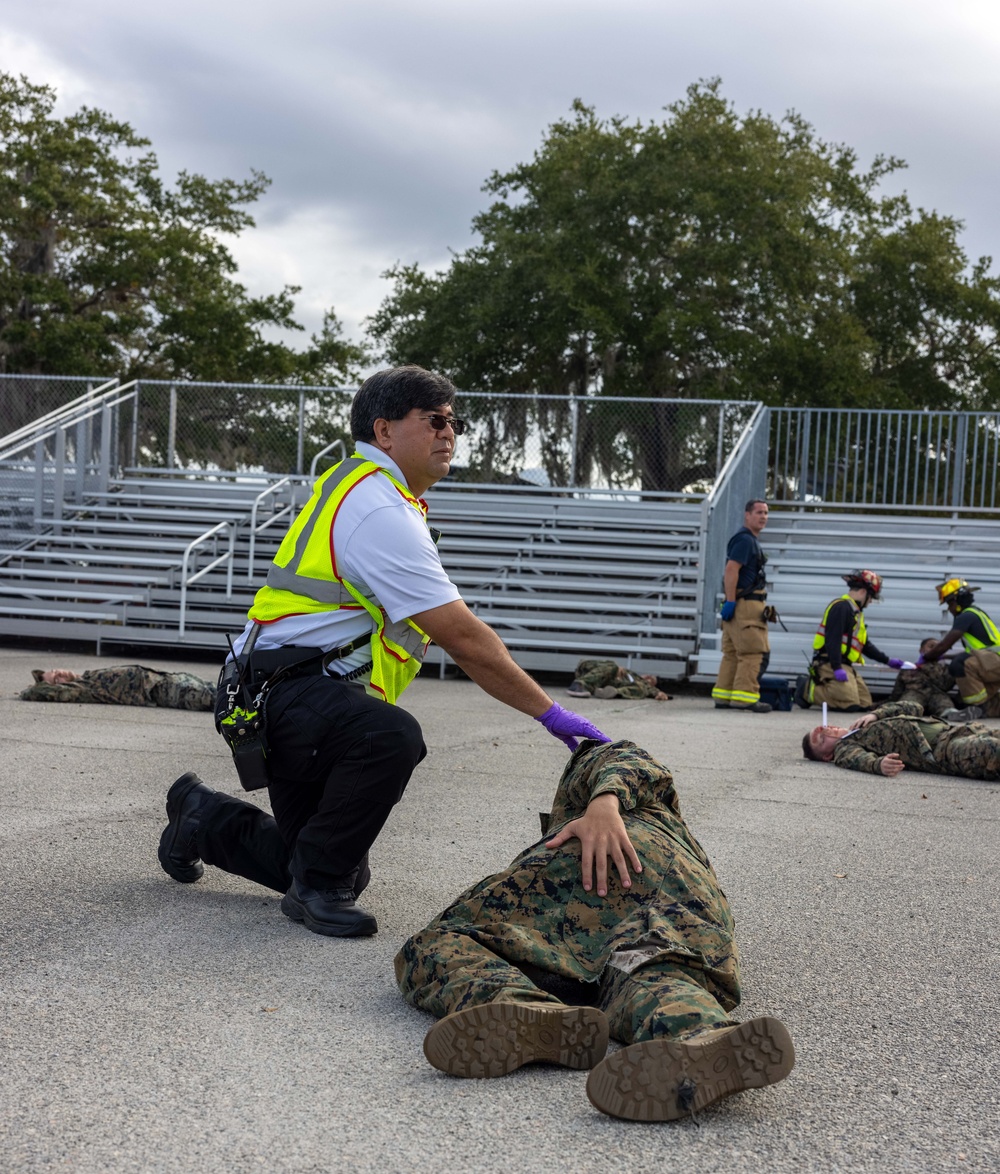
(384, 549)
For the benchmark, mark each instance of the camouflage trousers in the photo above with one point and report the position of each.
(595, 674)
(971, 751)
(645, 993)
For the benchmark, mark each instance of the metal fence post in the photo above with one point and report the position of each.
(59, 481)
(958, 461)
(39, 480)
(104, 469)
(574, 433)
(805, 419)
(172, 429)
(300, 447)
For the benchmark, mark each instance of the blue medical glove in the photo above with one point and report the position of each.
(727, 610)
(840, 674)
(567, 726)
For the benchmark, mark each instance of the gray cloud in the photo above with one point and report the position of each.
(379, 122)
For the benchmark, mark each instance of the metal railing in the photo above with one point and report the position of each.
(850, 457)
(70, 452)
(227, 558)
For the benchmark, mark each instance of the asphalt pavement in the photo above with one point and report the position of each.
(153, 1026)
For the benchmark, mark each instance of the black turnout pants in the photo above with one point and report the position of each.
(339, 761)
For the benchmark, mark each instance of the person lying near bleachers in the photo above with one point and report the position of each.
(607, 680)
(123, 684)
(931, 686)
(898, 735)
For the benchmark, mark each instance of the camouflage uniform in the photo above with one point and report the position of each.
(930, 686)
(658, 958)
(971, 751)
(128, 684)
(595, 674)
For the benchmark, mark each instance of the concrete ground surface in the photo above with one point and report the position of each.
(153, 1026)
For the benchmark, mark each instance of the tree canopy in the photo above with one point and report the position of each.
(711, 254)
(111, 271)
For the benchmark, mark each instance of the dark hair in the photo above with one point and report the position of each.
(927, 640)
(808, 750)
(393, 393)
(752, 502)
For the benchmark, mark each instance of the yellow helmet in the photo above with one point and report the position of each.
(959, 588)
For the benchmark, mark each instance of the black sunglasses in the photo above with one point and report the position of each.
(439, 423)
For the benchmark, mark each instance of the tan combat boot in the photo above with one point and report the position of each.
(497, 1038)
(662, 1079)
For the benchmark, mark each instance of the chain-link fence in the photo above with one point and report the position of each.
(26, 398)
(672, 446)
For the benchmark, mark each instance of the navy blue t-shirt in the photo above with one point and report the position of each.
(745, 549)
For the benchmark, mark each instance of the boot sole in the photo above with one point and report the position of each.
(364, 927)
(643, 1081)
(498, 1038)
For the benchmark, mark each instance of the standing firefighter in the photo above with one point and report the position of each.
(841, 644)
(977, 670)
(745, 647)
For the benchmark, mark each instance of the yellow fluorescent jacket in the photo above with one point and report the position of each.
(858, 637)
(303, 578)
(972, 644)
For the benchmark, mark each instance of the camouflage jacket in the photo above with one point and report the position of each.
(127, 684)
(537, 913)
(899, 728)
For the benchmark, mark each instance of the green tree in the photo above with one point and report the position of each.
(109, 270)
(708, 255)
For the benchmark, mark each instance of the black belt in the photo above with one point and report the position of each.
(756, 596)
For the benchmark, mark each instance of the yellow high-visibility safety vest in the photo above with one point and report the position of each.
(972, 644)
(852, 642)
(303, 578)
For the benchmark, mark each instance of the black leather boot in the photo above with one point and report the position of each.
(334, 912)
(177, 853)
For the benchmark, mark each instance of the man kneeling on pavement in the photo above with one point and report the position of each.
(898, 735)
(545, 960)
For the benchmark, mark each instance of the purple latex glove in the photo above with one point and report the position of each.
(567, 726)
(840, 674)
(920, 660)
(895, 664)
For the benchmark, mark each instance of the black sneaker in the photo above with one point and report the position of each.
(578, 689)
(971, 713)
(334, 913)
(801, 684)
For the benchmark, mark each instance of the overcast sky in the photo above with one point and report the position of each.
(378, 121)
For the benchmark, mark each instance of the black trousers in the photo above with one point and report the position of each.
(339, 761)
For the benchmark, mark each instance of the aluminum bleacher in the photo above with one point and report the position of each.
(808, 550)
(160, 558)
